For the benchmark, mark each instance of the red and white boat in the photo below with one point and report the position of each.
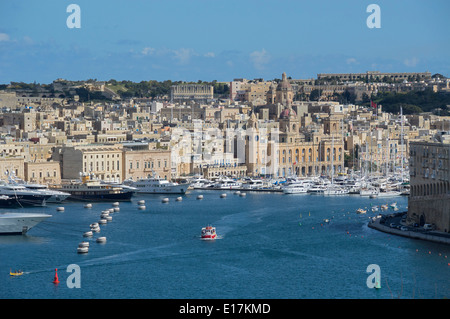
(209, 233)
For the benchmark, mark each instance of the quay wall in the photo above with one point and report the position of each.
(429, 236)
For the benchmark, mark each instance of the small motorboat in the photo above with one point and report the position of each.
(209, 233)
(360, 211)
(16, 273)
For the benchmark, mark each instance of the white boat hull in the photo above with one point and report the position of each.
(389, 194)
(57, 198)
(295, 190)
(19, 223)
(175, 189)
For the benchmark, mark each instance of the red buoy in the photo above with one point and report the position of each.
(55, 280)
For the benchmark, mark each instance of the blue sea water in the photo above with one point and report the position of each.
(271, 246)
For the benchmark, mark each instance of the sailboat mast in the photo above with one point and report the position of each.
(401, 135)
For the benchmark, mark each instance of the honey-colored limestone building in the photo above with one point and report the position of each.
(429, 201)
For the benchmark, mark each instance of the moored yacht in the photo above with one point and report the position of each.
(296, 187)
(22, 195)
(335, 190)
(255, 184)
(56, 196)
(226, 183)
(318, 187)
(157, 185)
(94, 190)
(199, 182)
(389, 194)
(369, 191)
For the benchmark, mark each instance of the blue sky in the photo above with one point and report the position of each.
(208, 40)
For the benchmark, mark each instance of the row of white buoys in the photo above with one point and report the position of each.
(165, 200)
(242, 194)
(223, 195)
(83, 247)
(88, 234)
(82, 250)
(141, 204)
(95, 227)
(104, 214)
(105, 217)
(101, 240)
(200, 197)
(179, 199)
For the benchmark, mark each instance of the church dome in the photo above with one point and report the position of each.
(287, 112)
(284, 84)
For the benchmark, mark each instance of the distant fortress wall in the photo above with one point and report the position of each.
(375, 75)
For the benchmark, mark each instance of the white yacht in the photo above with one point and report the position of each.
(319, 186)
(19, 223)
(297, 187)
(227, 183)
(389, 194)
(369, 191)
(157, 185)
(254, 184)
(199, 182)
(56, 196)
(22, 195)
(333, 189)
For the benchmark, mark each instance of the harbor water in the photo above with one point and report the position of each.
(270, 245)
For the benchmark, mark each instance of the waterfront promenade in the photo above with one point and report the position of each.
(412, 232)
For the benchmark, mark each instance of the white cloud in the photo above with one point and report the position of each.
(4, 37)
(260, 58)
(209, 55)
(411, 62)
(28, 40)
(183, 55)
(148, 51)
(351, 61)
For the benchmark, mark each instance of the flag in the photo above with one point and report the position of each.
(373, 104)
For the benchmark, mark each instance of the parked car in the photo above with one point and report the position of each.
(428, 226)
(404, 228)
